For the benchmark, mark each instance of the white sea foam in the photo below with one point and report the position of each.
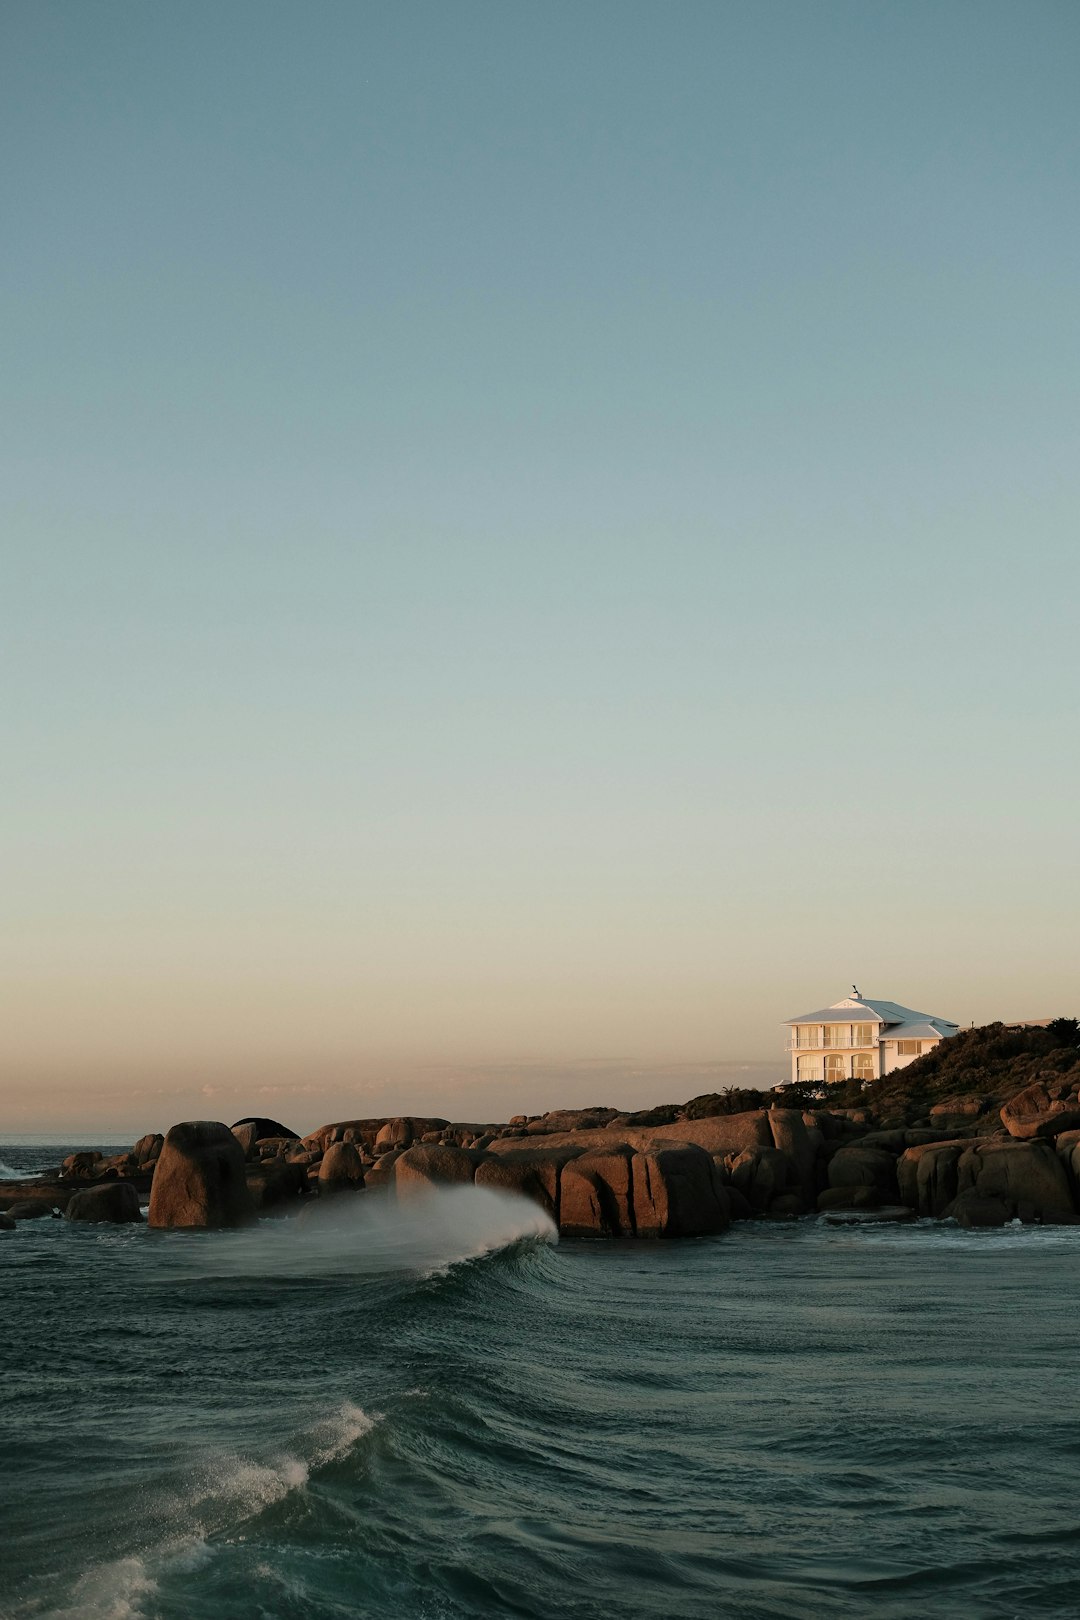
(8, 1172)
(114, 1591)
(369, 1234)
(224, 1493)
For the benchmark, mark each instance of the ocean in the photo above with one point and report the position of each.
(441, 1413)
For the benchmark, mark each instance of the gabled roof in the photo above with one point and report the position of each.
(867, 1011)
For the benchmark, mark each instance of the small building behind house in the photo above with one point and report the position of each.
(861, 1038)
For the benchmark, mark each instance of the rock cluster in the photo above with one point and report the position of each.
(660, 1173)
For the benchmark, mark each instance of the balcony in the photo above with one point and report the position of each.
(820, 1045)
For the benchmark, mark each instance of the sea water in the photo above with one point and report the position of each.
(440, 1413)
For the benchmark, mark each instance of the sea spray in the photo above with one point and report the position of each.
(371, 1234)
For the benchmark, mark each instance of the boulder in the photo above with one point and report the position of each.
(544, 1162)
(885, 1215)
(200, 1178)
(6, 1223)
(265, 1128)
(1028, 1178)
(927, 1175)
(864, 1197)
(32, 1209)
(970, 1208)
(1034, 1113)
(595, 1195)
(396, 1133)
(762, 1174)
(676, 1192)
(380, 1175)
(968, 1107)
(791, 1136)
(429, 1165)
(276, 1187)
(81, 1166)
(341, 1170)
(275, 1147)
(787, 1207)
(246, 1135)
(514, 1176)
(148, 1147)
(114, 1201)
(859, 1166)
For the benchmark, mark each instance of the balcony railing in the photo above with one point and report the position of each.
(831, 1046)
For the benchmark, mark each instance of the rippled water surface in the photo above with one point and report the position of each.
(445, 1414)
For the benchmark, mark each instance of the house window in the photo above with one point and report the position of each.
(837, 1034)
(808, 1035)
(908, 1048)
(835, 1067)
(810, 1068)
(863, 1035)
(862, 1066)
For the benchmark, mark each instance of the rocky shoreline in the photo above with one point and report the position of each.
(601, 1174)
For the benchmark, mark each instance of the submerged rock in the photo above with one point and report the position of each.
(886, 1215)
(200, 1178)
(114, 1201)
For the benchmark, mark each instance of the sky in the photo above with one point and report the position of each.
(539, 541)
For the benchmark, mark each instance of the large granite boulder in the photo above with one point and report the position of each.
(275, 1188)
(82, 1166)
(341, 1170)
(595, 1195)
(960, 1107)
(858, 1166)
(200, 1178)
(1034, 1114)
(972, 1209)
(762, 1174)
(148, 1148)
(434, 1164)
(32, 1209)
(247, 1136)
(1028, 1177)
(927, 1175)
(113, 1201)
(396, 1133)
(539, 1158)
(677, 1192)
(265, 1128)
(515, 1176)
(791, 1136)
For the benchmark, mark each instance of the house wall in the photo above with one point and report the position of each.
(893, 1060)
(885, 1057)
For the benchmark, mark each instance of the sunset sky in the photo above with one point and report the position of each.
(539, 541)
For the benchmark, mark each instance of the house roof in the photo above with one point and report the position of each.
(867, 1011)
(930, 1029)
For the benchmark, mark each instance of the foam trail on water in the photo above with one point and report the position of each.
(113, 1591)
(226, 1492)
(371, 1234)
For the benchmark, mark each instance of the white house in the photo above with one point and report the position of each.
(860, 1039)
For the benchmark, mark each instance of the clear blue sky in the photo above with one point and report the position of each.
(534, 536)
